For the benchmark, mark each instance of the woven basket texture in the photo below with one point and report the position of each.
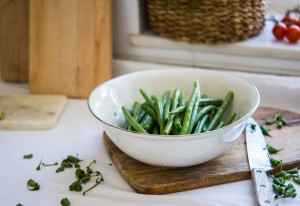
(206, 21)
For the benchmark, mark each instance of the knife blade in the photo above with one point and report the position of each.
(259, 162)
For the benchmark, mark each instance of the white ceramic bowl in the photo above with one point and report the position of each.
(106, 100)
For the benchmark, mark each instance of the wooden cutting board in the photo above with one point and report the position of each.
(14, 40)
(31, 112)
(70, 46)
(231, 166)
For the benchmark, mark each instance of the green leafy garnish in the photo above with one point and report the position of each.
(47, 165)
(65, 202)
(69, 162)
(39, 166)
(264, 130)
(28, 156)
(272, 149)
(32, 185)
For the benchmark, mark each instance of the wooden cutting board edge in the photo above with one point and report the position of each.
(118, 156)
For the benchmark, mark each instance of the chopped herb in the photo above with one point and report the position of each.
(32, 185)
(98, 181)
(85, 176)
(65, 202)
(53, 164)
(39, 166)
(269, 121)
(275, 162)
(60, 169)
(28, 156)
(69, 162)
(272, 149)
(73, 159)
(265, 130)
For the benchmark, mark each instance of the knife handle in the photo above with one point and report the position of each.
(262, 187)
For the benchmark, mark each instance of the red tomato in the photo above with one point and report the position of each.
(288, 20)
(279, 31)
(297, 22)
(293, 33)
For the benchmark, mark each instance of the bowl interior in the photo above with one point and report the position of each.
(106, 100)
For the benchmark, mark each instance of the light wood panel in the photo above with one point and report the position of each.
(14, 40)
(70, 46)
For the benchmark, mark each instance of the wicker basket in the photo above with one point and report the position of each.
(206, 21)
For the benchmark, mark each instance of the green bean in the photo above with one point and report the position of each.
(126, 123)
(174, 105)
(181, 99)
(167, 109)
(145, 119)
(150, 111)
(177, 110)
(155, 129)
(230, 119)
(220, 125)
(179, 117)
(178, 121)
(175, 131)
(148, 126)
(168, 127)
(136, 110)
(189, 108)
(147, 98)
(159, 113)
(200, 126)
(132, 121)
(194, 114)
(221, 111)
(205, 110)
(165, 97)
(141, 116)
(175, 99)
(210, 101)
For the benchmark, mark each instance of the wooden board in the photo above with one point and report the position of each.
(14, 40)
(231, 166)
(70, 46)
(31, 112)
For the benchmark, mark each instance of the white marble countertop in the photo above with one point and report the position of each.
(78, 132)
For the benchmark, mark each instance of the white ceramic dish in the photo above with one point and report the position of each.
(106, 100)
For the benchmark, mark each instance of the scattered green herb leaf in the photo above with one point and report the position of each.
(32, 185)
(264, 130)
(98, 181)
(253, 127)
(293, 171)
(39, 166)
(60, 169)
(47, 165)
(272, 149)
(269, 121)
(28, 156)
(65, 202)
(275, 162)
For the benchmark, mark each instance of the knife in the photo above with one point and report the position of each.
(259, 162)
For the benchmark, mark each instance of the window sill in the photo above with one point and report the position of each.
(258, 54)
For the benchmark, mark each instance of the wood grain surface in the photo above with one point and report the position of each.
(70, 46)
(14, 40)
(229, 167)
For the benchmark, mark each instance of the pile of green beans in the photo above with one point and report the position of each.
(171, 114)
